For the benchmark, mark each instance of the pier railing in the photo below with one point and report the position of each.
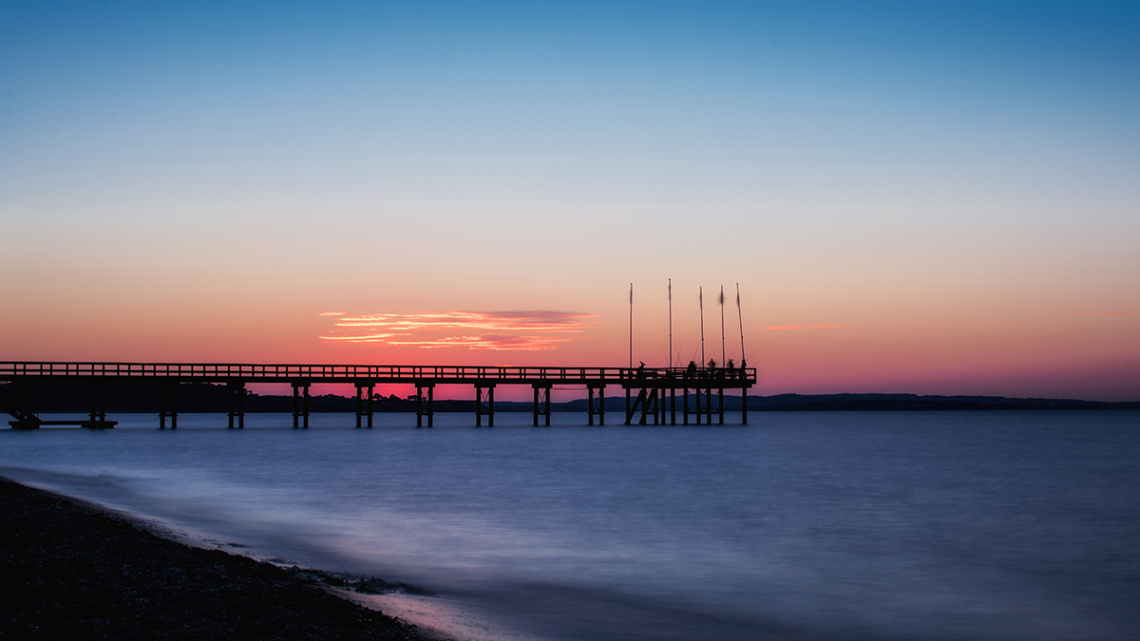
(319, 373)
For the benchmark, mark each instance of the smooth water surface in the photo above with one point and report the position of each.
(862, 525)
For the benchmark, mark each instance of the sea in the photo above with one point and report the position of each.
(1016, 525)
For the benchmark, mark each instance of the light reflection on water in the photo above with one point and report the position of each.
(976, 525)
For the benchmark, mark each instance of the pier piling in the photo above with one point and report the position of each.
(236, 396)
(541, 403)
(98, 412)
(364, 402)
(484, 404)
(168, 403)
(301, 404)
(596, 403)
(425, 408)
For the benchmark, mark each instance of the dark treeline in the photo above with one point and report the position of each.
(143, 396)
(884, 402)
(879, 403)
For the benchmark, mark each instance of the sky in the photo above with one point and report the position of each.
(921, 197)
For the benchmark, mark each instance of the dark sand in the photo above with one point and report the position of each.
(69, 570)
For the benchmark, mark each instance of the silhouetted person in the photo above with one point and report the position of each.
(691, 370)
(641, 369)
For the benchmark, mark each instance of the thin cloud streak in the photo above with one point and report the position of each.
(792, 327)
(494, 343)
(366, 338)
(496, 331)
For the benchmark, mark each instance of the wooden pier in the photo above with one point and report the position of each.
(650, 393)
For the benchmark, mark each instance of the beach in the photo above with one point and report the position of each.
(69, 569)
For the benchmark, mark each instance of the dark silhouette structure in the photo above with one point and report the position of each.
(650, 393)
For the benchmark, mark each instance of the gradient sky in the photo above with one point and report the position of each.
(928, 197)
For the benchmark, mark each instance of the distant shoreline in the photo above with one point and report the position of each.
(910, 402)
(131, 397)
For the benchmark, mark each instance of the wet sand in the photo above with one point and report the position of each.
(73, 570)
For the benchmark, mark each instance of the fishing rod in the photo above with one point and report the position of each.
(740, 317)
(701, 298)
(723, 360)
(631, 325)
(670, 323)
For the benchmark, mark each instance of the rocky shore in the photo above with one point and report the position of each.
(72, 570)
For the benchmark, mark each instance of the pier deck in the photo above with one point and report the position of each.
(653, 387)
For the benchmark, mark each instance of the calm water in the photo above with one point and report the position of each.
(973, 525)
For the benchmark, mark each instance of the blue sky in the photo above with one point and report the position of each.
(181, 179)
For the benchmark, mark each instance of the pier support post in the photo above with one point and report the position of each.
(708, 406)
(485, 404)
(425, 409)
(369, 406)
(236, 390)
(541, 403)
(97, 417)
(744, 406)
(168, 403)
(301, 404)
(596, 403)
(672, 405)
(720, 406)
(363, 404)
